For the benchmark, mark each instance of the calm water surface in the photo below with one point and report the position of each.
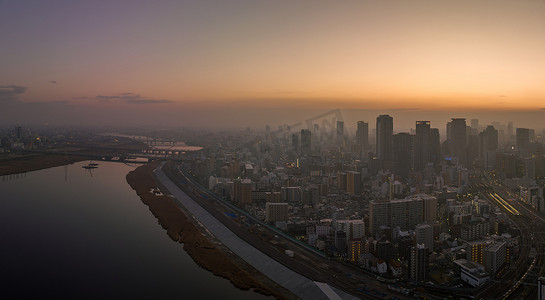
(66, 232)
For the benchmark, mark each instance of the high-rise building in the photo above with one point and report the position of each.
(355, 229)
(474, 126)
(306, 143)
(276, 212)
(424, 235)
(418, 266)
(340, 133)
(355, 249)
(429, 205)
(458, 140)
(402, 153)
(494, 257)
(275, 197)
(384, 137)
(402, 213)
(353, 182)
(509, 131)
(475, 250)
(242, 191)
(541, 288)
(523, 140)
(422, 145)
(491, 135)
(488, 144)
(380, 213)
(435, 145)
(18, 132)
(295, 143)
(291, 194)
(362, 135)
(406, 213)
(342, 179)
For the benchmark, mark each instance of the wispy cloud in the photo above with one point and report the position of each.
(11, 92)
(130, 98)
(53, 81)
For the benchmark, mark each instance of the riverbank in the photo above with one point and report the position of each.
(16, 164)
(200, 247)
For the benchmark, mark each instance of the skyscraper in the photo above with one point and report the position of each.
(362, 134)
(522, 140)
(353, 182)
(295, 143)
(385, 132)
(306, 143)
(458, 140)
(422, 145)
(509, 130)
(435, 145)
(424, 235)
(474, 126)
(340, 133)
(488, 144)
(418, 262)
(402, 154)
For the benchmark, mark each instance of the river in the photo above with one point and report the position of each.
(67, 232)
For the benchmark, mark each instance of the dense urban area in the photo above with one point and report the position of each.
(451, 211)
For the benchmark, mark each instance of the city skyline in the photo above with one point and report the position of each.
(244, 63)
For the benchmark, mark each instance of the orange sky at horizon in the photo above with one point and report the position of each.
(394, 55)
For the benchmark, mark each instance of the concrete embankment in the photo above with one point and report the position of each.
(204, 252)
(300, 285)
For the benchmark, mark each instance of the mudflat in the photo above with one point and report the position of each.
(204, 251)
(21, 164)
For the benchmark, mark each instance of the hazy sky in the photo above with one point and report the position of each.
(255, 62)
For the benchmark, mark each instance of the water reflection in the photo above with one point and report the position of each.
(66, 234)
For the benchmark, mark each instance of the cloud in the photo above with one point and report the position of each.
(53, 81)
(130, 98)
(10, 93)
(147, 101)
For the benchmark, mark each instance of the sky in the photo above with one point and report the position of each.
(251, 63)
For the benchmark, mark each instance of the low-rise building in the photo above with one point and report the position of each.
(472, 273)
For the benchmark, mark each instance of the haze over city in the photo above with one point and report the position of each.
(251, 63)
(252, 149)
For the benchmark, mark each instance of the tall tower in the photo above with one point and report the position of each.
(424, 235)
(340, 133)
(419, 262)
(488, 144)
(385, 132)
(474, 126)
(523, 140)
(18, 132)
(402, 153)
(458, 139)
(435, 145)
(509, 131)
(295, 146)
(362, 134)
(306, 142)
(422, 145)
